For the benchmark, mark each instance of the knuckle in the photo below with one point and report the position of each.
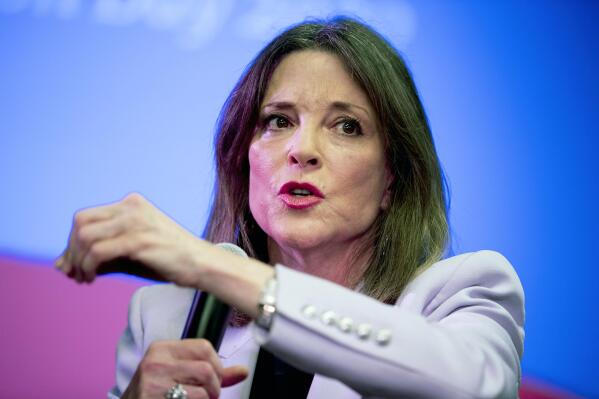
(134, 199)
(204, 346)
(207, 377)
(205, 371)
(150, 366)
(155, 347)
(84, 235)
(96, 252)
(147, 385)
(79, 219)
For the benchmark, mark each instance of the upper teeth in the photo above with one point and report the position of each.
(300, 191)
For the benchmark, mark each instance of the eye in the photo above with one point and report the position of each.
(350, 127)
(276, 122)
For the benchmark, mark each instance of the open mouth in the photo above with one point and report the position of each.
(300, 190)
(300, 195)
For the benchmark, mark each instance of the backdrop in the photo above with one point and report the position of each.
(101, 98)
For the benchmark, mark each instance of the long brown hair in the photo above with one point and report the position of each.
(413, 231)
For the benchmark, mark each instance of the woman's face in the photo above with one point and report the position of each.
(318, 174)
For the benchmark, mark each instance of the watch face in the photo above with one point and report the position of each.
(267, 305)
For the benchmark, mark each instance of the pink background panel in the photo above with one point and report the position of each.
(58, 338)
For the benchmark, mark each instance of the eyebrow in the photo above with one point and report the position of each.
(279, 105)
(340, 105)
(343, 106)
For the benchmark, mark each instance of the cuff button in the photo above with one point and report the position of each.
(363, 330)
(329, 318)
(383, 337)
(309, 311)
(346, 324)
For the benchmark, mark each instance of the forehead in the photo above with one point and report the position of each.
(314, 78)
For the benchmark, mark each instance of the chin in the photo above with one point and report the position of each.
(301, 239)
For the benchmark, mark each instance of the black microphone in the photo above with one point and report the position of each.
(208, 315)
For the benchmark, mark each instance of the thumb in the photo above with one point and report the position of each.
(233, 375)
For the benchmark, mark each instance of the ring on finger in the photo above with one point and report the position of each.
(176, 392)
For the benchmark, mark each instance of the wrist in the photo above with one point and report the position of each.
(236, 280)
(201, 265)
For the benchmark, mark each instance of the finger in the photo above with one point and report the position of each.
(158, 386)
(112, 249)
(64, 265)
(96, 213)
(59, 262)
(82, 219)
(197, 349)
(68, 253)
(71, 255)
(103, 229)
(195, 392)
(94, 232)
(187, 349)
(198, 373)
(233, 375)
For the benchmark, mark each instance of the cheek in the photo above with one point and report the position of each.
(363, 178)
(260, 162)
(256, 174)
(261, 171)
(262, 166)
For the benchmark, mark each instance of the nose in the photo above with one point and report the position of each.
(303, 148)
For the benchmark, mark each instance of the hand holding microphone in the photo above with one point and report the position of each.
(133, 236)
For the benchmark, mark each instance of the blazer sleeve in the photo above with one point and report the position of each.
(130, 347)
(456, 331)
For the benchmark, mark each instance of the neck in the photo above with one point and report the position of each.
(342, 263)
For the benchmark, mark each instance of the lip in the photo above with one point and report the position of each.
(300, 202)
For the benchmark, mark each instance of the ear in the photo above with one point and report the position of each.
(386, 199)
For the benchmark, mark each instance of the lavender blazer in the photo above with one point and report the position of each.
(457, 331)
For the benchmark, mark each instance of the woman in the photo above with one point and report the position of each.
(326, 169)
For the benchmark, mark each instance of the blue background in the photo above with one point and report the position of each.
(101, 98)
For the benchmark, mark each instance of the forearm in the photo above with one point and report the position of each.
(457, 333)
(455, 368)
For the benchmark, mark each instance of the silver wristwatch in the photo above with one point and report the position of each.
(267, 305)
